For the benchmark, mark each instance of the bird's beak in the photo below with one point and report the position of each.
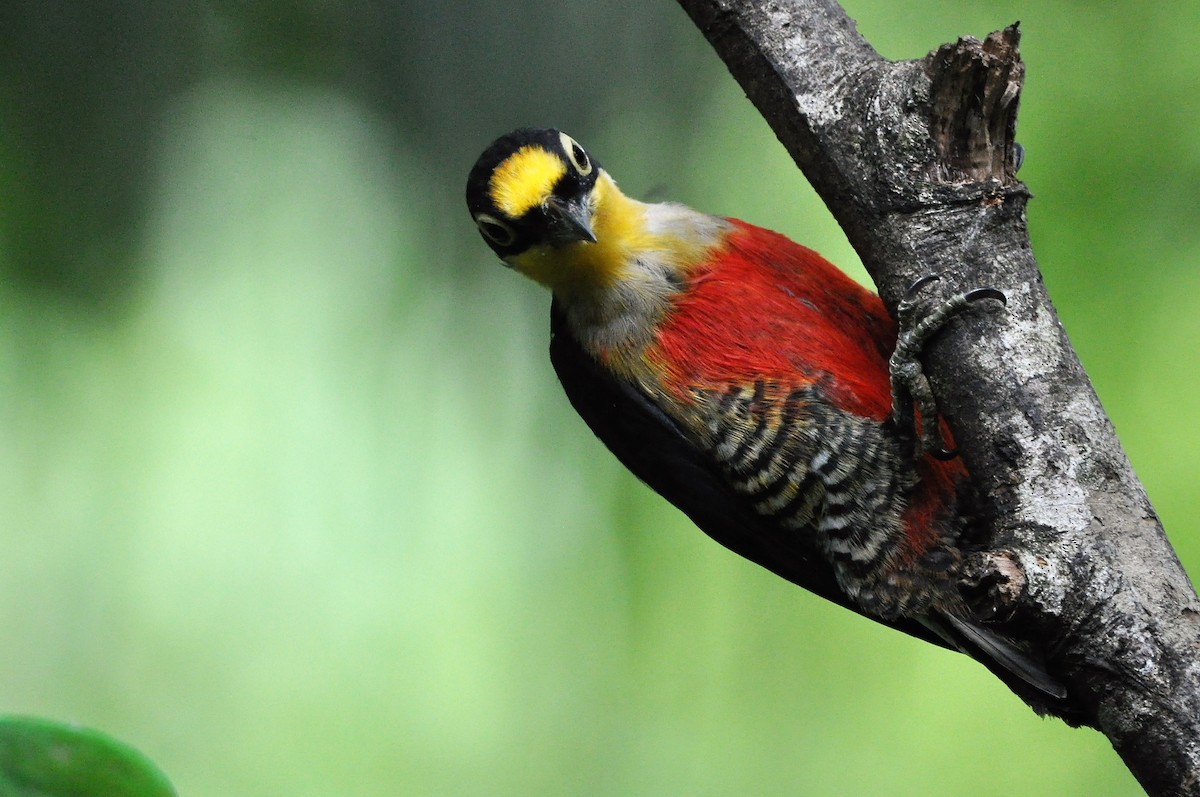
(570, 220)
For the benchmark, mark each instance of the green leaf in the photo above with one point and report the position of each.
(40, 758)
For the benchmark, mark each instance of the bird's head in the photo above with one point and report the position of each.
(548, 209)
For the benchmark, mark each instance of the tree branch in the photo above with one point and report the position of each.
(916, 160)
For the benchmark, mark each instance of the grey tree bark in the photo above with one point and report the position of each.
(917, 162)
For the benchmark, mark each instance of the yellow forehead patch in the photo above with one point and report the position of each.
(525, 180)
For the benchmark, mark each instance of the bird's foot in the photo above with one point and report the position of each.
(912, 398)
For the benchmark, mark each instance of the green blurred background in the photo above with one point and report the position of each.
(291, 499)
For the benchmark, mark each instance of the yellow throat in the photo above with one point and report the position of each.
(618, 223)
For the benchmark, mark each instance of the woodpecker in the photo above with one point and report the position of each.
(753, 385)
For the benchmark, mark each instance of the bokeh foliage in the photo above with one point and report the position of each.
(291, 500)
(50, 759)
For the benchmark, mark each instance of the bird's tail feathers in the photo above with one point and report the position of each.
(990, 647)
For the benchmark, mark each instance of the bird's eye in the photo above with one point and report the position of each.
(495, 230)
(578, 157)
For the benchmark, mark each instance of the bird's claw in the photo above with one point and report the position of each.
(944, 454)
(986, 293)
(912, 397)
(919, 283)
